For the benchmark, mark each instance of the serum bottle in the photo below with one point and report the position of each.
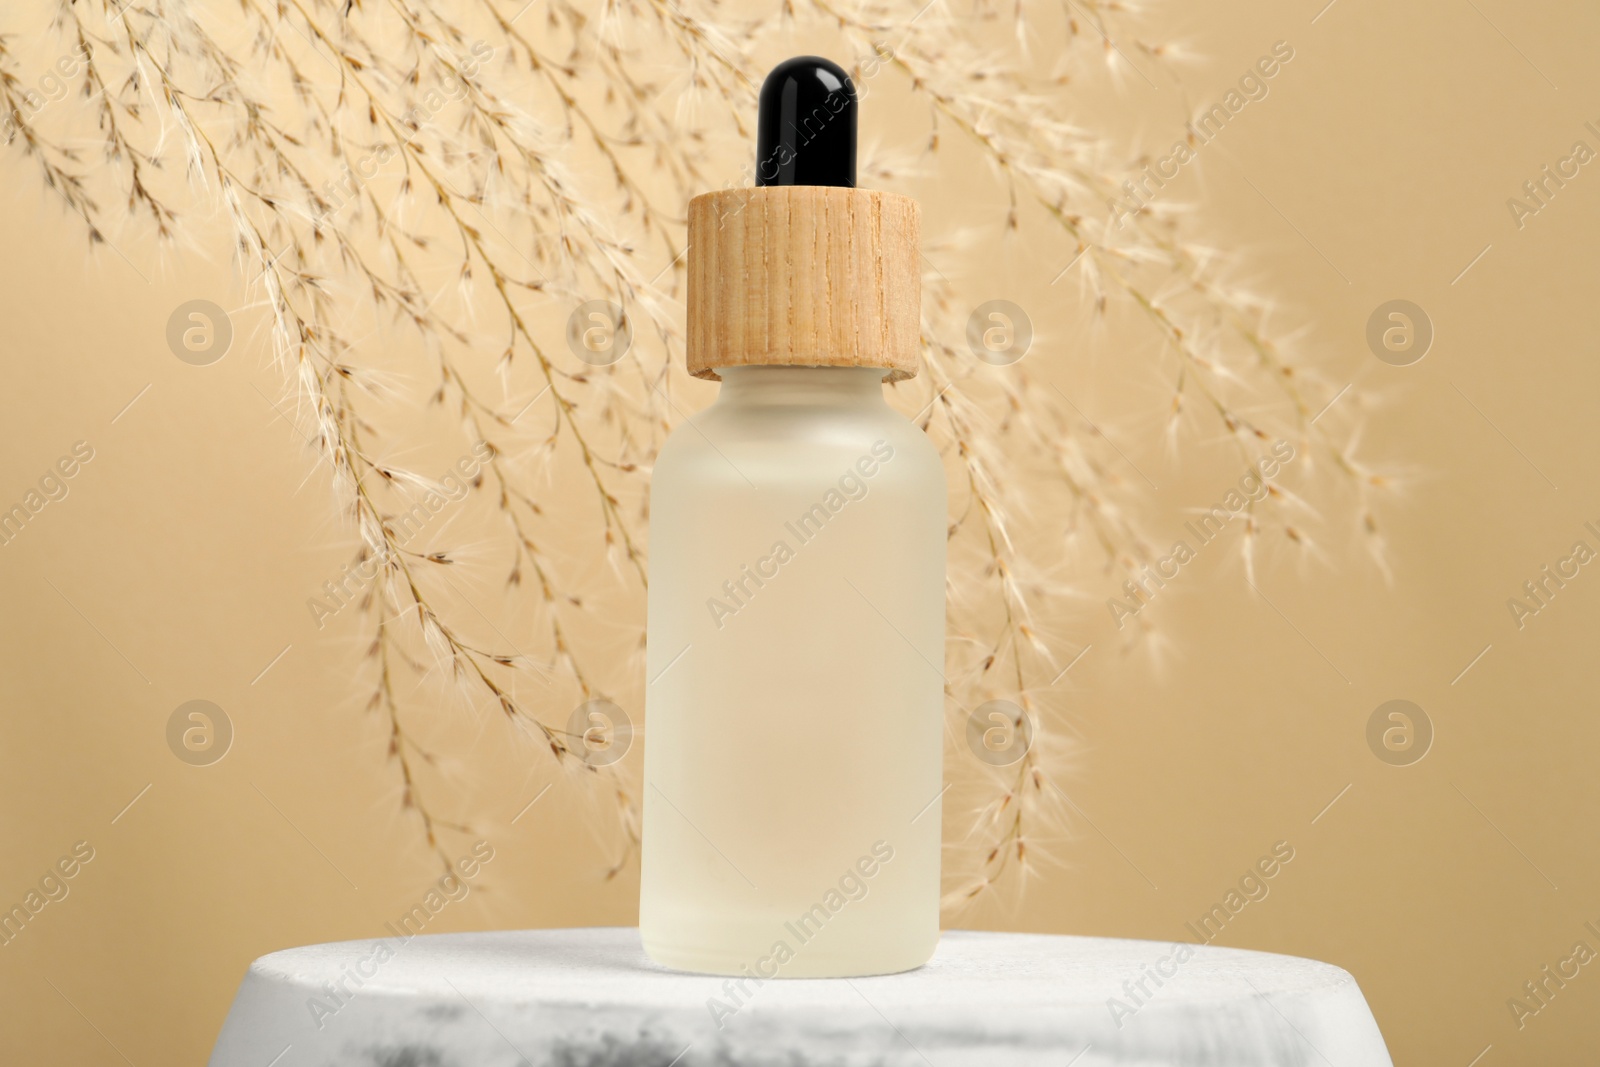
(795, 689)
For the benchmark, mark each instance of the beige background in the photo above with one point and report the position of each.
(178, 566)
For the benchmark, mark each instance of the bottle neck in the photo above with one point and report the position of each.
(801, 386)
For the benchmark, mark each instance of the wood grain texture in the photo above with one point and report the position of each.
(804, 276)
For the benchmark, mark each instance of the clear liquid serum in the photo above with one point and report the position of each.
(797, 572)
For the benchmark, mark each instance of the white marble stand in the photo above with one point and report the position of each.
(590, 998)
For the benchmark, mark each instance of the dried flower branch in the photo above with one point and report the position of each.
(471, 171)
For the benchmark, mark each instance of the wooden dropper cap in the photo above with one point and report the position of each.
(805, 269)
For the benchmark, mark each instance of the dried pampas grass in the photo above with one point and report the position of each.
(472, 170)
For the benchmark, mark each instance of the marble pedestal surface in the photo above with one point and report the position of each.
(590, 998)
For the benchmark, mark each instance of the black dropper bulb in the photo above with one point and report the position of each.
(806, 132)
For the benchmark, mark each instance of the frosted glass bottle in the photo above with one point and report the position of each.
(793, 730)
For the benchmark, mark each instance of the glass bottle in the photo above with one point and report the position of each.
(795, 690)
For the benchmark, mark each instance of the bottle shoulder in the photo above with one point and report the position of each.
(721, 428)
(727, 443)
